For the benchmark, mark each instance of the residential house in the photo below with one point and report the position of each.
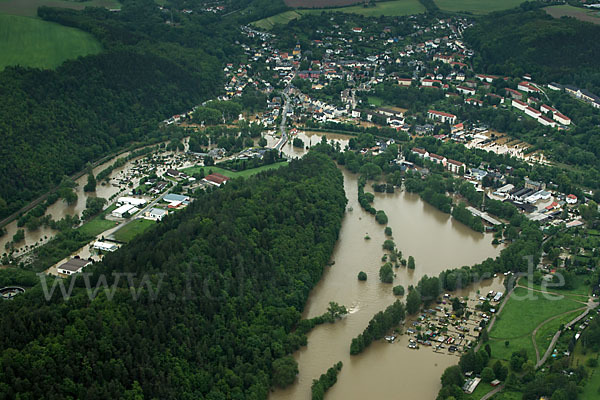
(466, 90)
(441, 116)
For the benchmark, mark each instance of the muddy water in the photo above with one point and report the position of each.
(60, 209)
(383, 371)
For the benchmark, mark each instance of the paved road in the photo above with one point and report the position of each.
(284, 111)
(493, 392)
(537, 352)
(140, 214)
(493, 320)
(557, 335)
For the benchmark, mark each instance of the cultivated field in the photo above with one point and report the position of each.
(28, 8)
(582, 14)
(388, 8)
(32, 42)
(320, 3)
(283, 18)
(476, 6)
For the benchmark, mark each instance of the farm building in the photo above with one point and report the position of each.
(73, 266)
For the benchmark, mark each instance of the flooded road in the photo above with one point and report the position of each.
(382, 371)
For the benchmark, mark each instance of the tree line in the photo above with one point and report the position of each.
(235, 269)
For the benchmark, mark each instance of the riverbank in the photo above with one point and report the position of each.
(383, 368)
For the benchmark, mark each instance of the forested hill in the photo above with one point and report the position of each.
(235, 269)
(516, 42)
(53, 122)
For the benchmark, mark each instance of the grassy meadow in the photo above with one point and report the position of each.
(519, 318)
(476, 6)
(32, 42)
(132, 229)
(234, 174)
(389, 8)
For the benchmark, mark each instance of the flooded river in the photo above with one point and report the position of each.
(382, 371)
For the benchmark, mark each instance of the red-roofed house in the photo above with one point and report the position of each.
(420, 152)
(465, 90)
(562, 119)
(215, 179)
(545, 108)
(527, 87)
(404, 81)
(441, 116)
(532, 112)
(437, 159)
(542, 119)
(514, 94)
(455, 166)
(519, 105)
(474, 102)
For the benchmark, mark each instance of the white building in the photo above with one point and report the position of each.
(441, 116)
(127, 208)
(519, 105)
(532, 112)
(465, 90)
(131, 201)
(156, 214)
(546, 121)
(73, 266)
(455, 166)
(562, 119)
(105, 246)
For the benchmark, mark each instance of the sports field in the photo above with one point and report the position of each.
(389, 8)
(477, 6)
(28, 8)
(31, 42)
(582, 14)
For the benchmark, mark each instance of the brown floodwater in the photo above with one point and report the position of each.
(382, 371)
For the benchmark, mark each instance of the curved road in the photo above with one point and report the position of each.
(537, 352)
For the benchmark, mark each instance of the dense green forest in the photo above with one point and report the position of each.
(53, 122)
(226, 281)
(516, 42)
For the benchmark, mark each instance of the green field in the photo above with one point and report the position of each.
(579, 292)
(28, 8)
(591, 388)
(234, 174)
(98, 224)
(376, 101)
(132, 229)
(389, 8)
(520, 317)
(476, 6)
(545, 334)
(32, 42)
(283, 18)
